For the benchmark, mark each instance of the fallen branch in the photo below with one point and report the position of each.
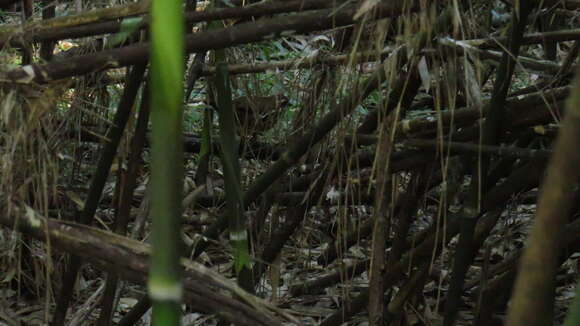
(210, 40)
(130, 258)
(107, 21)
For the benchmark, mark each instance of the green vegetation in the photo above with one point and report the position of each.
(167, 33)
(289, 162)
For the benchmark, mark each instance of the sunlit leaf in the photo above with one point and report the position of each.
(128, 26)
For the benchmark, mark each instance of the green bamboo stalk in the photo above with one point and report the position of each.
(230, 161)
(205, 152)
(167, 68)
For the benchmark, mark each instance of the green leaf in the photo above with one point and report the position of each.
(128, 27)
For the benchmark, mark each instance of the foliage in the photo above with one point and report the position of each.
(406, 123)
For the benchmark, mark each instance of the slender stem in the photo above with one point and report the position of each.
(167, 68)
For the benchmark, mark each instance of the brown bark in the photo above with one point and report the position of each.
(210, 40)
